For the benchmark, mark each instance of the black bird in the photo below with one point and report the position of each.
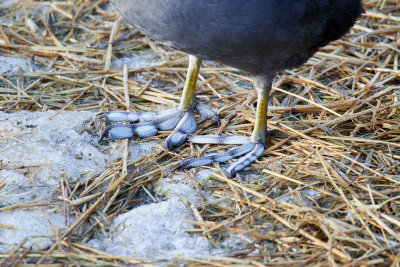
(261, 37)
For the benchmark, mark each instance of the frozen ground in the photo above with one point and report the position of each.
(38, 148)
(155, 230)
(35, 150)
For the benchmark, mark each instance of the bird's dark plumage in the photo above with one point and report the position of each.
(260, 37)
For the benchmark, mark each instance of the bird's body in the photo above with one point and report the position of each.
(260, 37)
(257, 36)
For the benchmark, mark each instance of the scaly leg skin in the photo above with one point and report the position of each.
(148, 123)
(251, 147)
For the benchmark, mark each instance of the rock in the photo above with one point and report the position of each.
(155, 230)
(38, 226)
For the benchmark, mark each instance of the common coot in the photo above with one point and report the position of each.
(260, 37)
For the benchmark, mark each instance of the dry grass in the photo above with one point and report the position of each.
(329, 183)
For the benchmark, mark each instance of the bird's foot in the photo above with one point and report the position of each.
(249, 148)
(147, 124)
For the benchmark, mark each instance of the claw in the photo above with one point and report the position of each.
(117, 131)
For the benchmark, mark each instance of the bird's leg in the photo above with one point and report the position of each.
(251, 147)
(146, 124)
(187, 124)
(188, 97)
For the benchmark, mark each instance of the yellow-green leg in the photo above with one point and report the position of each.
(188, 104)
(263, 86)
(188, 95)
(260, 127)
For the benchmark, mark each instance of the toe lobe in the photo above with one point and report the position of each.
(146, 131)
(187, 124)
(176, 138)
(118, 116)
(168, 124)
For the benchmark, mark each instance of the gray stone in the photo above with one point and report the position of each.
(38, 226)
(155, 230)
